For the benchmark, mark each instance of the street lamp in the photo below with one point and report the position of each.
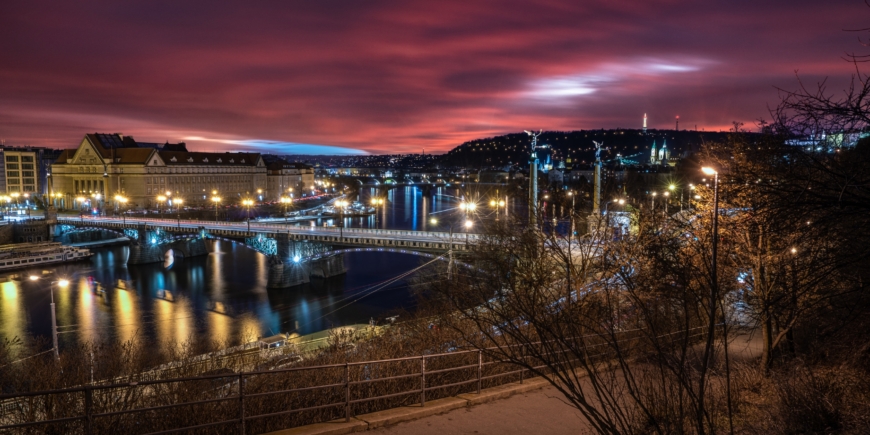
(248, 203)
(468, 225)
(341, 204)
(178, 202)
(160, 199)
(216, 200)
(714, 290)
(60, 283)
(377, 202)
(285, 200)
(81, 200)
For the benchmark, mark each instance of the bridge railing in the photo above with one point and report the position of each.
(277, 228)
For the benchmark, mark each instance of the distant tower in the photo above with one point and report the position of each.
(663, 153)
(678, 122)
(644, 122)
(653, 156)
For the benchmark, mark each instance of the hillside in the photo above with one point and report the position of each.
(513, 149)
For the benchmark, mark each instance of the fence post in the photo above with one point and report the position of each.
(523, 360)
(242, 403)
(479, 369)
(423, 380)
(89, 403)
(346, 392)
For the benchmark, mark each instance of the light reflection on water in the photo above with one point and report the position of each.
(222, 295)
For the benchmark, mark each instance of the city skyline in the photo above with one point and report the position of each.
(384, 77)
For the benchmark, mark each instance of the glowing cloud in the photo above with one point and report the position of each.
(609, 74)
(278, 147)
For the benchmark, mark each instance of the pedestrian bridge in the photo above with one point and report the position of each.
(295, 252)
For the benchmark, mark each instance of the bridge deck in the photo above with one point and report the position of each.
(417, 240)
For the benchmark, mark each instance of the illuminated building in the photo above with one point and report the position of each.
(283, 176)
(25, 169)
(112, 164)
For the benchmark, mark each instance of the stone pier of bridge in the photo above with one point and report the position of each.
(150, 246)
(287, 268)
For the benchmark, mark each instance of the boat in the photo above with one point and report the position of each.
(22, 255)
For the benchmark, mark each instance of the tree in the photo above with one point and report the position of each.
(618, 326)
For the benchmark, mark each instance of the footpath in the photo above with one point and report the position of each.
(532, 407)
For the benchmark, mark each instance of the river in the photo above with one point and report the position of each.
(223, 295)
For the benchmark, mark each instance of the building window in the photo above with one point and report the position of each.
(11, 158)
(12, 166)
(27, 159)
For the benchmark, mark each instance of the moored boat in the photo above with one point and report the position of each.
(22, 255)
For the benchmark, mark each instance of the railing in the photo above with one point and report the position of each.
(261, 401)
(94, 409)
(242, 226)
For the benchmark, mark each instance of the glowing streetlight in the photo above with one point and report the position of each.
(216, 200)
(714, 288)
(248, 203)
(377, 202)
(160, 199)
(178, 202)
(341, 204)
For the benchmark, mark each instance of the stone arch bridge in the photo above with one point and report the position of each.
(295, 253)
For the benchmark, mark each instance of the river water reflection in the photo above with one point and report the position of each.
(223, 294)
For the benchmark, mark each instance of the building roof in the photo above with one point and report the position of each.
(196, 158)
(278, 164)
(114, 148)
(132, 155)
(64, 155)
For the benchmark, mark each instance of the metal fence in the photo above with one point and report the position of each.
(262, 401)
(341, 390)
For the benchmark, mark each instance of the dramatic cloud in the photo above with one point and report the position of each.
(400, 76)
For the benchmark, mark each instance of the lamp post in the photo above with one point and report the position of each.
(715, 244)
(497, 204)
(248, 203)
(571, 194)
(468, 225)
(81, 200)
(285, 200)
(434, 221)
(178, 202)
(377, 202)
(160, 199)
(60, 283)
(714, 287)
(15, 197)
(667, 201)
(216, 200)
(118, 201)
(619, 201)
(341, 204)
(468, 207)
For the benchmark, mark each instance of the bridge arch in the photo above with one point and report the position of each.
(442, 257)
